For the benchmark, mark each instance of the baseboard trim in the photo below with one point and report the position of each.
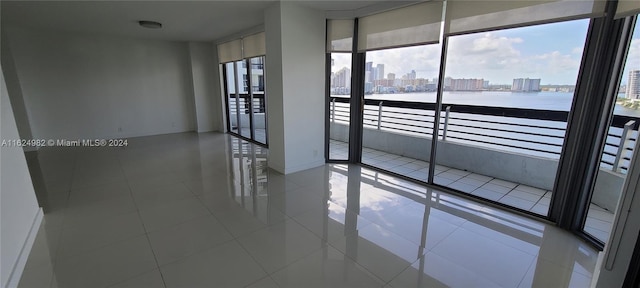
(18, 267)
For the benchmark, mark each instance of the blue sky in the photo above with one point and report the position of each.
(633, 58)
(551, 52)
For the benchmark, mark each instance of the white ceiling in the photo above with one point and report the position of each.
(182, 20)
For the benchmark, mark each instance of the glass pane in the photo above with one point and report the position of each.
(400, 92)
(339, 98)
(506, 100)
(619, 147)
(259, 99)
(243, 99)
(232, 99)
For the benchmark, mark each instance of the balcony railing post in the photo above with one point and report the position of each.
(446, 123)
(624, 144)
(379, 114)
(333, 110)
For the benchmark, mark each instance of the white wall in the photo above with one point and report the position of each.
(19, 213)
(274, 87)
(15, 92)
(206, 88)
(295, 66)
(79, 85)
(616, 257)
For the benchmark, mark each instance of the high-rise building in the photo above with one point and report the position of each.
(342, 78)
(525, 85)
(633, 85)
(379, 72)
(368, 67)
(466, 84)
(391, 76)
(517, 85)
(447, 83)
(412, 75)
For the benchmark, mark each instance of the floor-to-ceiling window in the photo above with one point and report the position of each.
(339, 106)
(339, 47)
(401, 51)
(506, 99)
(231, 97)
(244, 87)
(483, 104)
(258, 99)
(400, 93)
(619, 147)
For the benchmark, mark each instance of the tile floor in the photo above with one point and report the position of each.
(599, 221)
(204, 210)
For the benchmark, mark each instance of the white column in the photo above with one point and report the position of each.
(295, 74)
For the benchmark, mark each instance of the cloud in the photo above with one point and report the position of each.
(489, 43)
(482, 56)
(340, 60)
(494, 56)
(425, 60)
(633, 58)
(577, 50)
(557, 62)
(500, 59)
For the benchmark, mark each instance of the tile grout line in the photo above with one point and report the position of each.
(54, 263)
(144, 227)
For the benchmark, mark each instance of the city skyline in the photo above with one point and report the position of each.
(552, 52)
(341, 83)
(377, 82)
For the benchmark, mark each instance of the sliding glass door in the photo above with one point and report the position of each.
(232, 98)
(246, 98)
(242, 64)
(257, 99)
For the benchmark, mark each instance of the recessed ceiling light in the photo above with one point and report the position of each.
(150, 24)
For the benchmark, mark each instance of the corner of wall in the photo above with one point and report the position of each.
(192, 81)
(19, 214)
(14, 87)
(218, 94)
(25, 251)
(207, 99)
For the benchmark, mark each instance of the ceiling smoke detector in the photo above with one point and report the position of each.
(150, 24)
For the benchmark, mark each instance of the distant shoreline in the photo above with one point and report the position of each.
(543, 100)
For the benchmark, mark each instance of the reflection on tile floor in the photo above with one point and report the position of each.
(204, 210)
(599, 221)
(260, 135)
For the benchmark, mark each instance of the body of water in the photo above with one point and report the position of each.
(560, 101)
